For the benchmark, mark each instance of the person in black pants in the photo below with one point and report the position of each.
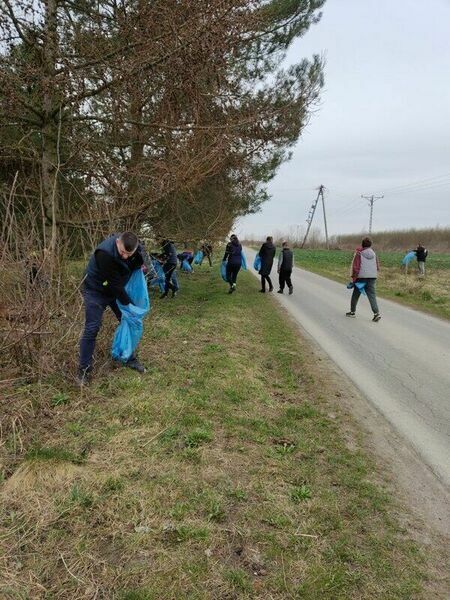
(170, 264)
(108, 271)
(285, 266)
(266, 254)
(233, 257)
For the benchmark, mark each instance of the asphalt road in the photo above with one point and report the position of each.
(401, 364)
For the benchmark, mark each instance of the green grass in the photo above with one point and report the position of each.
(431, 294)
(218, 474)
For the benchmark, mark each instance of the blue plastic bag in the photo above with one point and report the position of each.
(198, 258)
(223, 270)
(130, 329)
(361, 287)
(408, 258)
(257, 263)
(186, 267)
(160, 279)
(243, 261)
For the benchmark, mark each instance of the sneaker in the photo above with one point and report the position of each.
(271, 289)
(234, 287)
(280, 292)
(134, 364)
(291, 290)
(230, 291)
(350, 314)
(83, 377)
(376, 317)
(262, 291)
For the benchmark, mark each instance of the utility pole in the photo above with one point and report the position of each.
(310, 217)
(371, 200)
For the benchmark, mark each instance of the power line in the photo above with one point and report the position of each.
(371, 200)
(417, 183)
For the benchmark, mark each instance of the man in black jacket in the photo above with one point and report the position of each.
(266, 254)
(285, 266)
(108, 271)
(169, 255)
(421, 255)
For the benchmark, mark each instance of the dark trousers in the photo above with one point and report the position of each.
(370, 290)
(232, 272)
(95, 304)
(168, 271)
(265, 278)
(285, 279)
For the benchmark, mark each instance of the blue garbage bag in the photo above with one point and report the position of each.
(361, 287)
(408, 258)
(186, 267)
(160, 279)
(257, 263)
(243, 262)
(130, 329)
(198, 258)
(223, 270)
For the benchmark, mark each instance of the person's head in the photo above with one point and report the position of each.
(127, 244)
(269, 238)
(285, 244)
(366, 243)
(234, 238)
(419, 245)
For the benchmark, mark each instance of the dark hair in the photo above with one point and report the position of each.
(366, 243)
(269, 238)
(233, 236)
(129, 241)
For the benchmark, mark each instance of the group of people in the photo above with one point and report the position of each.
(233, 260)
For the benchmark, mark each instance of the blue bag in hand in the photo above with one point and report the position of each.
(186, 267)
(257, 263)
(223, 270)
(243, 261)
(160, 279)
(198, 259)
(130, 329)
(361, 287)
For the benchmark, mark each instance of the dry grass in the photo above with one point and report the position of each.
(225, 473)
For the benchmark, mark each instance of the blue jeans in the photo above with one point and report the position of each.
(174, 281)
(95, 304)
(169, 270)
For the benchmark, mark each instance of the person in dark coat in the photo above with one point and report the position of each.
(233, 258)
(285, 266)
(266, 254)
(421, 255)
(169, 255)
(108, 271)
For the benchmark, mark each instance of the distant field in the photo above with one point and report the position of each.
(431, 293)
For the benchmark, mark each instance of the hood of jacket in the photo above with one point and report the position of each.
(368, 253)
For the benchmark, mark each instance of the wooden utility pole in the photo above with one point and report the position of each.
(310, 217)
(371, 200)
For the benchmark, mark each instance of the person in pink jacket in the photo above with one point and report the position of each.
(365, 267)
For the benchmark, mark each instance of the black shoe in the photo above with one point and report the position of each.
(163, 296)
(134, 364)
(83, 377)
(376, 317)
(350, 314)
(280, 292)
(230, 291)
(262, 291)
(271, 289)
(291, 290)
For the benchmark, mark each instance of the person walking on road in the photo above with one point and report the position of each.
(169, 254)
(421, 254)
(266, 254)
(285, 266)
(365, 267)
(233, 258)
(108, 271)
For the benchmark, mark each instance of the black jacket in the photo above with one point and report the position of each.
(421, 253)
(267, 254)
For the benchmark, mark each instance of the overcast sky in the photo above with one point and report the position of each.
(383, 125)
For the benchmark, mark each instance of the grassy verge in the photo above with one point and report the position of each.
(224, 473)
(430, 293)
